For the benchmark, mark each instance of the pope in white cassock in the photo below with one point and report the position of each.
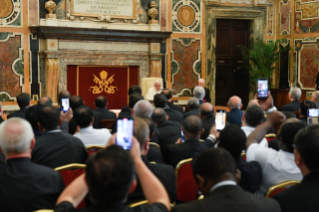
(153, 90)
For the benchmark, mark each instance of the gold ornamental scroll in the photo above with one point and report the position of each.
(123, 9)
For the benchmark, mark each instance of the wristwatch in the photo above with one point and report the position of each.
(271, 110)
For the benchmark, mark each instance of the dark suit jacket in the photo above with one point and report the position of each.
(168, 132)
(100, 114)
(234, 116)
(174, 153)
(165, 173)
(301, 197)
(229, 198)
(58, 149)
(154, 155)
(194, 112)
(292, 107)
(72, 126)
(174, 115)
(18, 114)
(251, 173)
(207, 95)
(175, 107)
(26, 186)
(1, 120)
(208, 122)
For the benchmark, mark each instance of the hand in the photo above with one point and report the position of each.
(135, 149)
(276, 118)
(112, 141)
(66, 116)
(179, 141)
(214, 132)
(266, 104)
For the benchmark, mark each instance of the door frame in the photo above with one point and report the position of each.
(257, 15)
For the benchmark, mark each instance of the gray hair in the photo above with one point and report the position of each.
(295, 93)
(193, 102)
(16, 135)
(158, 115)
(233, 105)
(199, 92)
(316, 95)
(143, 108)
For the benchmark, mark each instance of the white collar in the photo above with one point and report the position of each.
(223, 183)
(87, 128)
(54, 131)
(248, 128)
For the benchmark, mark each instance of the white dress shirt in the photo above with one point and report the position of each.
(223, 183)
(151, 93)
(90, 136)
(276, 166)
(247, 130)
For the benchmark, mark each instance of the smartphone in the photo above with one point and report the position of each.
(182, 136)
(220, 119)
(124, 133)
(313, 112)
(65, 104)
(262, 88)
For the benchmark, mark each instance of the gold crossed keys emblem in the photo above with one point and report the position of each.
(103, 84)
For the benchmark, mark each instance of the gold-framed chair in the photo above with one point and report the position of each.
(200, 197)
(280, 187)
(155, 144)
(153, 162)
(44, 210)
(107, 123)
(186, 186)
(69, 173)
(243, 155)
(135, 204)
(94, 148)
(201, 141)
(270, 136)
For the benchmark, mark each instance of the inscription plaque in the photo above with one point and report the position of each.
(95, 8)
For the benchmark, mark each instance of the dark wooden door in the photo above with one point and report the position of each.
(229, 79)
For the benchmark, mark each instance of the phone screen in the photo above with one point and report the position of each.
(262, 88)
(313, 112)
(65, 104)
(220, 119)
(182, 136)
(124, 133)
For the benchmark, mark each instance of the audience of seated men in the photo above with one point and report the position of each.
(235, 114)
(75, 102)
(199, 93)
(110, 178)
(206, 114)
(24, 101)
(294, 97)
(101, 112)
(315, 98)
(56, 148)
(233, 139)
(253, 117)
(160, 101)
(168, 131)
(192, 129)
(133, 89)
(304, 107)
(303, 196)
(216, 175)
(84, 118)
(164, 173)
(192, 107)
(25, 186)
(154, 154)
(277, 166)
(168, 94)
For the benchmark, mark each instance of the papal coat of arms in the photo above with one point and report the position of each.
(103, 84)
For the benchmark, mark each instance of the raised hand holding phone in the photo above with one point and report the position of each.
(124, 133)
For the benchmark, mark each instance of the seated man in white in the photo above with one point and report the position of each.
(153, 90)
(253, 117)
(89, 136)
(277, 166)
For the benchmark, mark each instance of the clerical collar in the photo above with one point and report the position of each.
(223, 183)
(54, 131)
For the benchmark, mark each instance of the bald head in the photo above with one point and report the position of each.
(45, 101)
(253, 102)
(206, 109)
(234, 102)
(192, 127)
(157, 85)
(201, 82)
